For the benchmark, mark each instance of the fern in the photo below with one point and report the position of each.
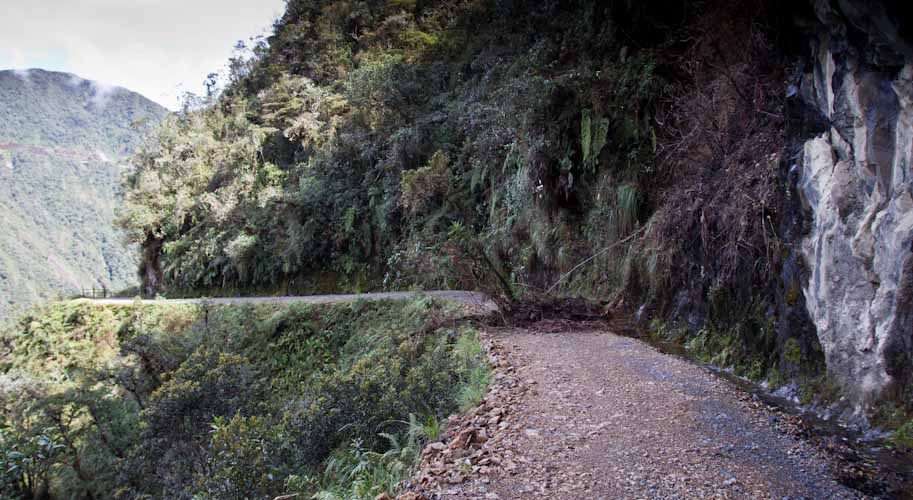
(626, 199)
(593, 135)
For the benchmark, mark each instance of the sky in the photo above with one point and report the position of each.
(159, 48)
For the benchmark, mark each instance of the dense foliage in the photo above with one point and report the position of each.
(637, 153)
(634, 153)
(366, 134)
(200, 401)
(63, 144)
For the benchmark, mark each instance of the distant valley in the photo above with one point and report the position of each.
(64, 143)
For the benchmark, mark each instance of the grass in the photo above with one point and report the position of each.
(477, 376)
(429, 429)
(474, 388)
(354, 472)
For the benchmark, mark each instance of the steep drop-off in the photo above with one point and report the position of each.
(213, 401)
(64, 143)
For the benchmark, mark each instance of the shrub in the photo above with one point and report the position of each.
(424, 184)
(26, 460)
(248, 457)
(233, 401)
(176, 420)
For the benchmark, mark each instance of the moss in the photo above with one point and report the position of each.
(775, 379)
(822, 389)
(791, 351)
(755, 370)
(903, 436)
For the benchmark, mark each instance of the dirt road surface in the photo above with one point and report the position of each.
(609, 417)
(467, 298)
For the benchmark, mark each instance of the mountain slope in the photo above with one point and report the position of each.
(734, 174)
(64, 142)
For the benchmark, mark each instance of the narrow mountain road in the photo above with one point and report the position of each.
(586, 414)
(467, 298)
(600, 416)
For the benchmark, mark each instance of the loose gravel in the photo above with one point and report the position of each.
(585, 414)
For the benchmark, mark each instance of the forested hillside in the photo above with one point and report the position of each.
(664, 158)
(726, 179)
(369, 137)
(495, 145)
(235, 401)
(64, 143)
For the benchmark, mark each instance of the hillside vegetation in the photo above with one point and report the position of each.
(368, 138)
(633, 153)
(672, 163)
(205, 401)
(64, 143)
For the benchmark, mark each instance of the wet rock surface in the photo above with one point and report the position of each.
(588, 414)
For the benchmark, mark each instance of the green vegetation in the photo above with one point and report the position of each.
(710, 347)
(523, 148)
(474, 382)
(822, 390)
(204, 401)
(604, 149)
(903, 436)
(791, 351)
(748, 352)
(64, 142)
(897, 417)
(364, 133)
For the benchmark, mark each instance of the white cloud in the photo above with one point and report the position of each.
(159, 48)
(100, 94)
(22, 74)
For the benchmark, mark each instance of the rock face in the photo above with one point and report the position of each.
(856, 181)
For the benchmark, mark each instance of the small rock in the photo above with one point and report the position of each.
(463, 439)
(410, 495)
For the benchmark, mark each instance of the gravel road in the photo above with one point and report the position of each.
(609, 417)
(468, 298)
(601, 416)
